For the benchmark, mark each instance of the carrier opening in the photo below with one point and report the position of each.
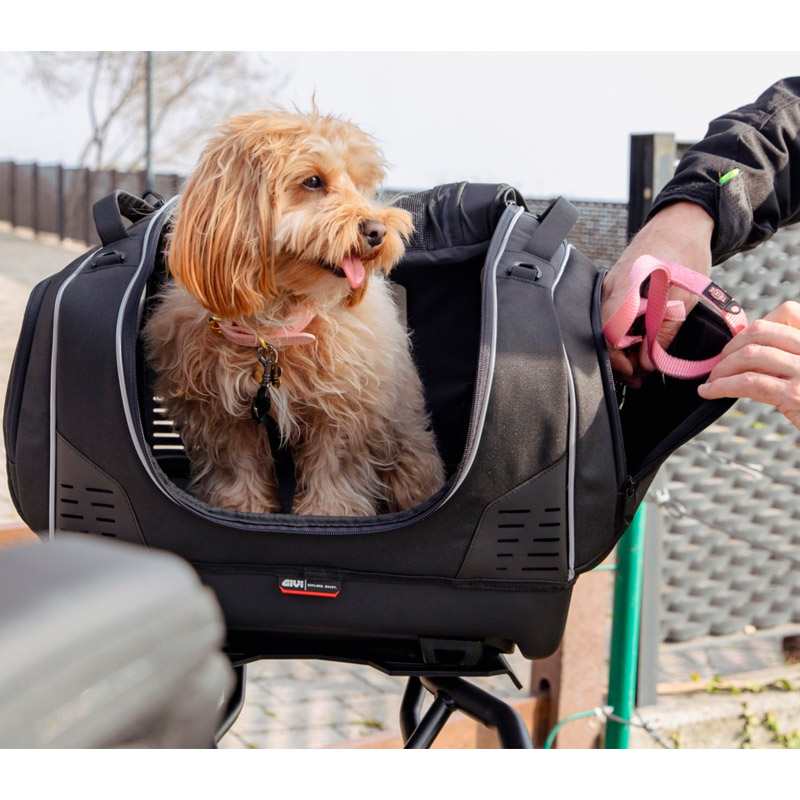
(652, 416)
(650, 422)
(442, 309)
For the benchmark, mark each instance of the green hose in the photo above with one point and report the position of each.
(595, 712)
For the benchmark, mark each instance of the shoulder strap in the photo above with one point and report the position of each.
(109, 211)
(554, 225)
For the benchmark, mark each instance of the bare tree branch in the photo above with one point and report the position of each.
(192, 92)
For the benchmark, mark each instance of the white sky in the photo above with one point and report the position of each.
(548, 122)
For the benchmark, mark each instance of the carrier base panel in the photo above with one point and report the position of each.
(374, 610)
(423, 656)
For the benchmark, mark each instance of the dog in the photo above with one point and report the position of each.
(280, 309)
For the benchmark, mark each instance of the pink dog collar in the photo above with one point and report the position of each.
(657, 308)
(282, 336)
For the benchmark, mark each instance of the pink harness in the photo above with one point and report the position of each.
(285, 335)
(656, 308)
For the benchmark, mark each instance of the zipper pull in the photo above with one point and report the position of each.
(630, 500)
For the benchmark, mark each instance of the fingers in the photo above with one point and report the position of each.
(756, 386)
(625, 367)
(787, 313)
(782, 393)
(770, 332)
(762, 363)
(758, 358)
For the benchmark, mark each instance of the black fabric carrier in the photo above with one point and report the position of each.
(544, 470)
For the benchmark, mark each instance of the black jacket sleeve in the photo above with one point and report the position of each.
(761, 140)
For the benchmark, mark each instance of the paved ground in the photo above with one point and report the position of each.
(303, 704)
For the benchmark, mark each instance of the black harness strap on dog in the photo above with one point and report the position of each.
(284, 465)
(282, 459)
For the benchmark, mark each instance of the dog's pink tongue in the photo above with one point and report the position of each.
(353, 270)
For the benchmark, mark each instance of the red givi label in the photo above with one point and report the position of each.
(309, 587)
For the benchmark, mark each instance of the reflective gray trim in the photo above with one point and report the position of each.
(561, 269)
(571, 446)
(572, 440)
(472, 446)
(120, 366)
(53, 365)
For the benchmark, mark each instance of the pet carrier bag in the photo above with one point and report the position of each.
(545, 470)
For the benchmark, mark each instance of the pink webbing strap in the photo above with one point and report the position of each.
(657, 308)
(286, 335)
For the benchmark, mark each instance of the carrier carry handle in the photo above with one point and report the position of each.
(109, 211)
(554, 225)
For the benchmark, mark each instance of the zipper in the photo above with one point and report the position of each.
(608, 380)
(483, 380)
(134, 420)
(629, 483)
(656, 456)
(629, 488)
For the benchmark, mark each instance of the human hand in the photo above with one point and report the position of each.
(681, 232)
(762, 363)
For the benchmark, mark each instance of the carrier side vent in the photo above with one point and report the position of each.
(529, 541)
(87, 500)
(523, 535)
(87, 509)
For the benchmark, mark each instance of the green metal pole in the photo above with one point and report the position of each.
(625, 630)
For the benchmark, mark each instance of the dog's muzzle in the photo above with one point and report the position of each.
(373, 232)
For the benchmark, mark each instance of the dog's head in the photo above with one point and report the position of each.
(283, 205)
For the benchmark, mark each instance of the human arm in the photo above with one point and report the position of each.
(730, 192)
(680, 233)
(745, 172)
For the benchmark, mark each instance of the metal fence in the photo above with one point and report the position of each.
(723, 544)
(58, 200)
(731, 497)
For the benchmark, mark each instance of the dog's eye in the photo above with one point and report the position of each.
(314, 182)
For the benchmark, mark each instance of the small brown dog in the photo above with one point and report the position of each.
(279, 253)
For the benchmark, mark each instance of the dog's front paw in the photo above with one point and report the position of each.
(335, 507)
(417, 476)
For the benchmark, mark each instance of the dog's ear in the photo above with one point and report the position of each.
(221, 248)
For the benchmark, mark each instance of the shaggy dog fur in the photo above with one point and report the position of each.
(279, 223)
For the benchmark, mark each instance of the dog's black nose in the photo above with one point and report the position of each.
(373, 231)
